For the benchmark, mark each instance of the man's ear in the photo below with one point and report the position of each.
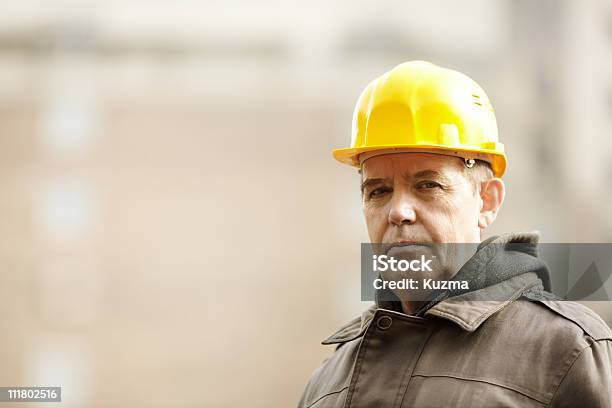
(492, 193)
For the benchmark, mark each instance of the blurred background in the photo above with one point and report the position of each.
(175, 231)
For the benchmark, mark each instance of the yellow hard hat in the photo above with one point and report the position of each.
(421, 107)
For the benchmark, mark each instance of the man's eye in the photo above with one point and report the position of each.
(378, 192)
(429, 185)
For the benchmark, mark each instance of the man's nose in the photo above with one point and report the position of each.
(401, 211)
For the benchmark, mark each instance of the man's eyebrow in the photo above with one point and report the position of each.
(424, 174)
(431, 174)
(370, 182)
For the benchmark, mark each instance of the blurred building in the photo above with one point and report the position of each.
(176, 232)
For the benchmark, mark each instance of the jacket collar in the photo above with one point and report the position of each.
(353, 329)
(471, 309)
(468, 311)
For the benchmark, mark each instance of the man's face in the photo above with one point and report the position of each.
(411, 199)
(419, 197)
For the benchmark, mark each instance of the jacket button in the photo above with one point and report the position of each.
(384, 322)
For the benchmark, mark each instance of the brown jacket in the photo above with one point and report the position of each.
(468, 351)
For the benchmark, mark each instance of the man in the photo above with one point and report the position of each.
(425, 141)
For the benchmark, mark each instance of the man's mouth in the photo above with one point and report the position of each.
(405, 245)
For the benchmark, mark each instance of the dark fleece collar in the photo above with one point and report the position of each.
(497, 259)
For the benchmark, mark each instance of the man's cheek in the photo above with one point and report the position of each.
(375, 229)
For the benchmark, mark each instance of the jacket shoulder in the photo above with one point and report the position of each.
(581, 316)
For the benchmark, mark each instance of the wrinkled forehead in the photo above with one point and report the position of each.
(388, 165)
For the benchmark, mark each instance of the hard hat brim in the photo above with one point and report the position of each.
(496, 159)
